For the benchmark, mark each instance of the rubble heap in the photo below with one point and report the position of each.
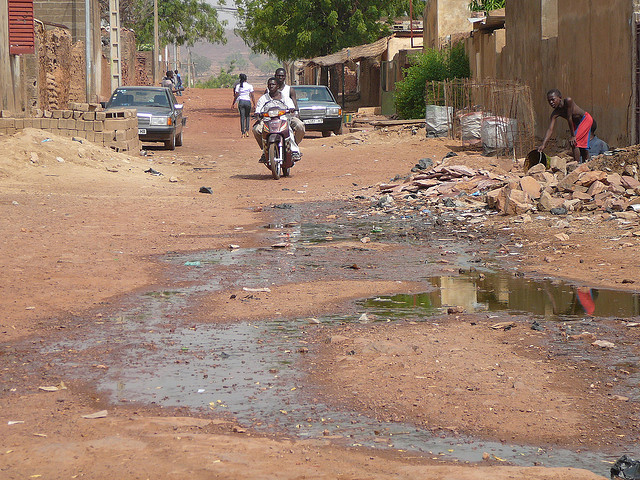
(605, 183)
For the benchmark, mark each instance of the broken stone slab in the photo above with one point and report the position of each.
(517, 203)
(596, 188)
(581, 196)
(572, 205)
(537, 168)
(497, 198)
(630, 182)
(531, 186)
(546, 202)
(558, 164)
(567, 182)
(587, 178)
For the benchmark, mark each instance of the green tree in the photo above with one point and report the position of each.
(431, 65)
(201, 64)
(224, 79)
(486, 5)
(289, 30)
(182, 22)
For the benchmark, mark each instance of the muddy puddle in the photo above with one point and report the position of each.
(250, 370)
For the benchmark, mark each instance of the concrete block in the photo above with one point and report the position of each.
(67, 113)
(82, 107)
(89, 116)
(6, 114)
(77, 114)
(19, 123)
(115, 124)
(121, 135)
(101, 115)
(7, 122)
(36, 112)
(47, 114)
(56, 114)
(91, 135)
(109, 135)
(94, 107)
(98, 126)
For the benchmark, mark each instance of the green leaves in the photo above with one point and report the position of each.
(290, 30)
(431, 65)
(182, 22)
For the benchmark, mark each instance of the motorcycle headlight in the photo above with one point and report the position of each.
(336, 111)
(160, 121)
(276, 113)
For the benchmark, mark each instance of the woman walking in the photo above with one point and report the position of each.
(243, 94)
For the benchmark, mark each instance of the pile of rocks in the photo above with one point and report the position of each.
(560, 188)
(566, 187)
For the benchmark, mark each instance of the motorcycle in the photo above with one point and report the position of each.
(275, 138)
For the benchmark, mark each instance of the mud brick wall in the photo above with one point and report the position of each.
(115, 129)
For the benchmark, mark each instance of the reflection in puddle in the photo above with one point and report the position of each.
(502, 292)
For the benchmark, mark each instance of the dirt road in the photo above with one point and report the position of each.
(117, 284)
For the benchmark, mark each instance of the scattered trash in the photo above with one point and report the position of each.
(283, 205)
(603, 344)
(206, 190)
(152, 171)
(14, 422)
(363, 318)
(100, 414)
(234, 247)
(46, 140)
(263, 289)
(193, 263)
(60, 386)
(626, 468)
(454, 310)
(503, 326)
(281, 245)
(173, 179)
(60, 159)
(536, 326)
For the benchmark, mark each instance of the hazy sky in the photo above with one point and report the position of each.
(224, 12)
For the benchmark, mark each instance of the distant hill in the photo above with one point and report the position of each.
(246, 61)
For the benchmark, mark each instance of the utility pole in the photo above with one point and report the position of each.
(114, 36)
(88, 49)
(156, 47)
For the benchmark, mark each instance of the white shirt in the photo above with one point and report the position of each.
(267, 98)
(244, 92)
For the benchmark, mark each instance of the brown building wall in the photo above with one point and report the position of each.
(591, 59)
(442, 18)
(595, 45)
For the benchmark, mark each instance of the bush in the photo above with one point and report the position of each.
(224, 80)
(432, 65)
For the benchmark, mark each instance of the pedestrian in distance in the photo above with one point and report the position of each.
(178, 79)
(243, 94)
(168, 80)
(581, 124)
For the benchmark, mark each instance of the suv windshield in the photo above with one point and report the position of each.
(313, 94)
(139, 98)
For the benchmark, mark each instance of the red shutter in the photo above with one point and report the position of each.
(21, 35)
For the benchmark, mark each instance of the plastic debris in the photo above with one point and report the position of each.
(263, 289)
(194, 263)
(626, 468)
(100, 414)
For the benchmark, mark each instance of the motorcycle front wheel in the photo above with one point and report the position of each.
(274, 165)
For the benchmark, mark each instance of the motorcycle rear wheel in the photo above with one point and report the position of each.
(273, 164)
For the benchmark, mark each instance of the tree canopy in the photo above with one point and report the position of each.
(290, 30)
(182, 22)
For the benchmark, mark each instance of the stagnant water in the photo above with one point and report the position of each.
(248, 370)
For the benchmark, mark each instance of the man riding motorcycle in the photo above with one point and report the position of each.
(273, 94)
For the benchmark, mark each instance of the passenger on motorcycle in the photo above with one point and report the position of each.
(273, 94)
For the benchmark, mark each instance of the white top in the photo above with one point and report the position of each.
(286, 91)
(244, 92)
(267, 98)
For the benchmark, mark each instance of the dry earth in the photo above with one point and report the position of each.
(80, 233)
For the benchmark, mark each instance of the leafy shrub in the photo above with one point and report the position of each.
(486, 5)
(431, 65)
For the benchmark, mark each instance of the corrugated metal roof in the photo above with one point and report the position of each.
(352, 54)
(21, 34)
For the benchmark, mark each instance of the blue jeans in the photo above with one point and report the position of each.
(244, 107)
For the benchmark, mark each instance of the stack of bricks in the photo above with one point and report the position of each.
(117, 129)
